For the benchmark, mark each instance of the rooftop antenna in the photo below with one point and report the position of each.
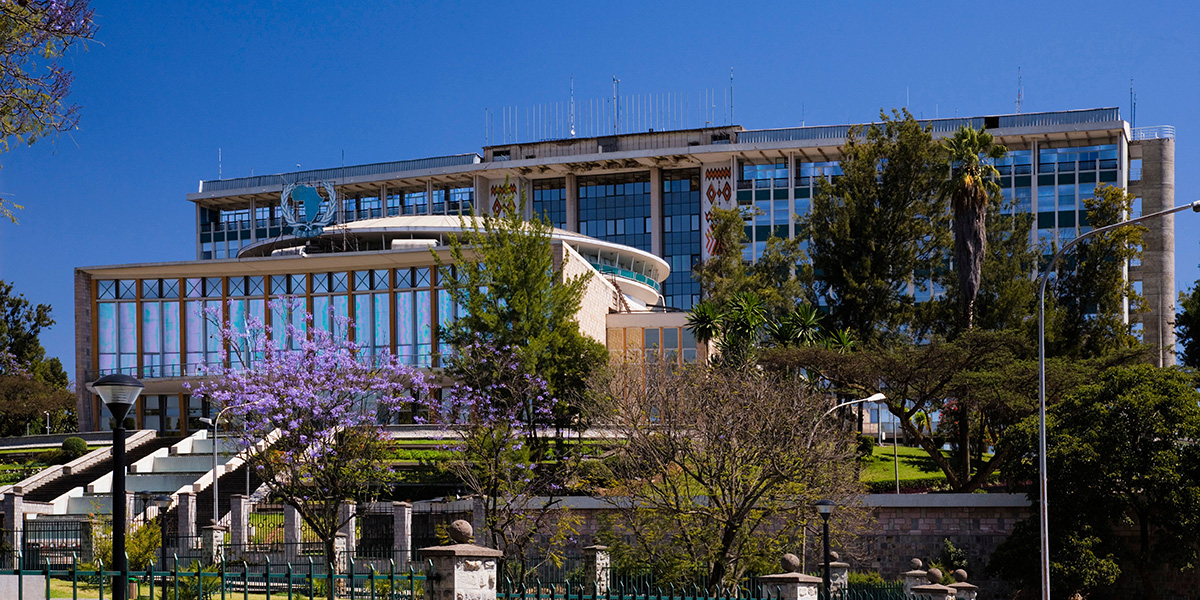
(1132, 105)
(572, 116)
(616, 104)
(219, 150)
(731, 95)
(1020, 89)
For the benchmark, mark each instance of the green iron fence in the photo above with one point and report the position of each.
(225, 581)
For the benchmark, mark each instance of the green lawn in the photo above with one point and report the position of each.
(917, 470)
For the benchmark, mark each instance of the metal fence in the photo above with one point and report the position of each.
(227, 579)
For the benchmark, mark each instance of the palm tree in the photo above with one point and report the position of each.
(971, 183)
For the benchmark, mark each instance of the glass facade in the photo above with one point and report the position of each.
(550, 201)
(762, 196)
(616, 208)
(681, 236)
(172, 328)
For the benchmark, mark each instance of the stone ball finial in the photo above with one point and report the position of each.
(960, 575)
(915, 564)
(833, 556)
(790, 563)
(934, 575)
(461, 532)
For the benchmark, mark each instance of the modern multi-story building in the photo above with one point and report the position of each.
(632, 208)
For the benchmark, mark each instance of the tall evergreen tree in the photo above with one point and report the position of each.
(879, 227)
(503, 276)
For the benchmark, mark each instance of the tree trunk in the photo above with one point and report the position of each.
(331, 564)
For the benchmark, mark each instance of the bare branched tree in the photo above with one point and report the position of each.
(721, 468)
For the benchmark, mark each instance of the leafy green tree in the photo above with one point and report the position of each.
(503, 276)
(990, 374)
(1187, 324)
(971, 186)
(776, 276)
(29, 381)
(1123, 446)
(36, 34)
(1091, 288)
(878, 227)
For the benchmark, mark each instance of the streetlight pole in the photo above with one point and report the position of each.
(825, 508)
(119, 392)
(162, 502)
(216, 514)
(1043, 512)
(871, 398)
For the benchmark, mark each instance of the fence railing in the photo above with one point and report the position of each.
(182, 580)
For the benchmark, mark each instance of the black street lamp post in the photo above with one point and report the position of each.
(119, 392)
(162, 502)
(825, 508)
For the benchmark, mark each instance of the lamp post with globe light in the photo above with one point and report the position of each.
(825, 509)
(119, 392)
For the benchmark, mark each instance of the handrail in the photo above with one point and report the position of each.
(1155, 132)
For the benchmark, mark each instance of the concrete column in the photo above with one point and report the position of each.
(13, 507)
(656, 211)
(291, 533)
(429, 197)
(597, 575)
(185, 510)
(347, 512)
(212, 544)
(913, 577)
(340, 552)
(572, 195)
(402, 533)
(84, 403)
(1158, 255)
(461, 571)
(479, 519)
(239, 521)
(87, 546)
(839, 573)
(483, 196)
(963, 590)
(791, 584)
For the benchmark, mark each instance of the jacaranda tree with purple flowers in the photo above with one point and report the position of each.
(489, 411)
(314, 403)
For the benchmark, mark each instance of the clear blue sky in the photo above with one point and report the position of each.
(276, 84)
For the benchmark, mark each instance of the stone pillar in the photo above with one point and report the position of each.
(239, 521)
(340, 553)
(479, 519)
(791, 584)
(933, 589)
(212, 544)
(1158, 254)
(962, 589)
(347, 512)
(914, 576)
(402, 533)
(839, 573)
(597, 575)
(656, 212)
(87, 546)
(461, 571)
(292, 533)
(185, 510)
(13, 507)
(572, 200)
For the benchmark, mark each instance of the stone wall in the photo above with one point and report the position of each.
(599, 296)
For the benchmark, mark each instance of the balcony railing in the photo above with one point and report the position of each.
(337, 173)
(1157, 132)
(627, 274)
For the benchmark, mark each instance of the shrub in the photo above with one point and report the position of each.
(865, 447)
(74, 447)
